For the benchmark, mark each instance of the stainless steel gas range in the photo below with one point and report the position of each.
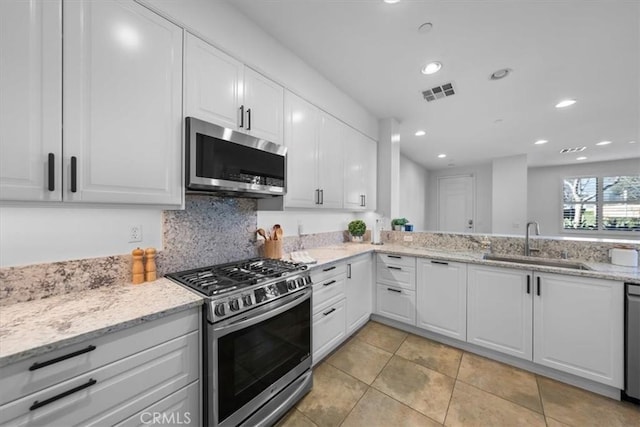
(257, 339)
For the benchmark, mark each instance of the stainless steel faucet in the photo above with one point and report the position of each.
(527, 248)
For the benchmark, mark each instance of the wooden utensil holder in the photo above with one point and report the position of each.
(272, 249)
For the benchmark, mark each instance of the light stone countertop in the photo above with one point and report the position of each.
(35, 327)
(335, 253)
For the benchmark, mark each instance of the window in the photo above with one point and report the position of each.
(610, 203)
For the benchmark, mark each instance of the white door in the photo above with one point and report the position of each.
(330, 162)
(359, 291)
(263, 107)
(122, 104)
(578, 324)
(396, 303)
(213, 80)
(456, 204)
(301, 126)
(499, 310)
(328, 329)
(370, 174)
(30, 100)
(441, 297)
(354, 169)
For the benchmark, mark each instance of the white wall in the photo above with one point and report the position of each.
(545, 190)
(483, 176)
(509, 195)
(414, 181)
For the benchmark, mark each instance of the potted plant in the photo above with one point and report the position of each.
(357, 228)
(399, 223)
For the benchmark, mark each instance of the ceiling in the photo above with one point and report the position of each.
(373, 51)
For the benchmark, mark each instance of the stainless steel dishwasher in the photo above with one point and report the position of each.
(632, 341)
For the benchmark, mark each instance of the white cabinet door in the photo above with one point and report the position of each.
(213, 81)
(354, 158)
(31, 100)
(263, 107)
(499, 310)
(578, 324)
(359, 292)
(122, 104)
(300, 138)
(371, 175)
(441, 297)
(328, 329)
(396, 303)
(330, 162)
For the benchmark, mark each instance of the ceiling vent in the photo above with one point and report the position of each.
(572, 150)
(439, 92)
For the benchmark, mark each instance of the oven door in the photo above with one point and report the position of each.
(256, 357)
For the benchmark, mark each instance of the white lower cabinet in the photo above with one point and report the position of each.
(107, 380)
(328, 329)
(441, 297)
(396, 303)
(359, 292)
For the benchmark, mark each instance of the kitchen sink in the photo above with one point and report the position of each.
(544, 262)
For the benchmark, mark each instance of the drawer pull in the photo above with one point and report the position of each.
(394, 290)
(331, 282)
(51, 172)
(37, 404)
(440, 262)
(394, 256)
(393, 268)
(538, 283)
(528, 283)
(329, 268)
(39, 365)
(326, 313)
(348, 271)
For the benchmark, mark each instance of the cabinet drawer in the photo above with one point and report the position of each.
(326, 272)
(329, 329)
(396, 303)
(17, 380)
(404, 277)
(397, 260)
(133, 382)
(327, 290)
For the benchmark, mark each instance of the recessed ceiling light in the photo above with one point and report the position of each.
(541, 141)
(581, 158)
(391, 1)
(632, 142)
(565, 103)
(442, 156)
(603, 143)
(431, 68)
(500, 74)
(421, 133)
(425, 28)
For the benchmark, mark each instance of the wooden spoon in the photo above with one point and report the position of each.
(274, 232)
(262, 233)
(279, 233)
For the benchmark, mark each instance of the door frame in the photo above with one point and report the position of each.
(473, 199)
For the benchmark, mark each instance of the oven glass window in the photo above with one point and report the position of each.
(252, 359)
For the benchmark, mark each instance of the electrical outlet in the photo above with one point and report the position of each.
(135, 233)
(408, 238)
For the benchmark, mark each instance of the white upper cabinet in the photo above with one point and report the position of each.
(31, 100)
(122, 104)
(360, 167)
(314, 156)
(222, 90)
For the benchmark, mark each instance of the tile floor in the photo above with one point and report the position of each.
(385, 377)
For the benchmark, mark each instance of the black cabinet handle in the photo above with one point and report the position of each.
(326, 313)
(51, 171)
(37, 404)
(333, 267)
(440, 262)
(39, 365)
(241, 116)
(394, 256)
(394, 290)
(538, 280)
(317, 196)
(74, 174)
(528, 283)
(348, 271)
(329, 283)
(393, 268)
(248, 118)
(321, 196)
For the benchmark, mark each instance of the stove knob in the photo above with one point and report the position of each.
(246, 300)
(301, 282)
(234, 305)
(291, 284)
(307, 280)
(219, 310)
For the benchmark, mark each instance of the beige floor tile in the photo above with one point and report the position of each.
(333, 396)
(295, 418)
(431, 354)
(376, 409)
(577, 407)
(553, 423)
(422, 389)
(473, 407)
(360, 360)
(382, 336)
(503, 380)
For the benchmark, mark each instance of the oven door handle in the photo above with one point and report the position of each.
(263, 313)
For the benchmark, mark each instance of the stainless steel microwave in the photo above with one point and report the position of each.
(223, 161)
